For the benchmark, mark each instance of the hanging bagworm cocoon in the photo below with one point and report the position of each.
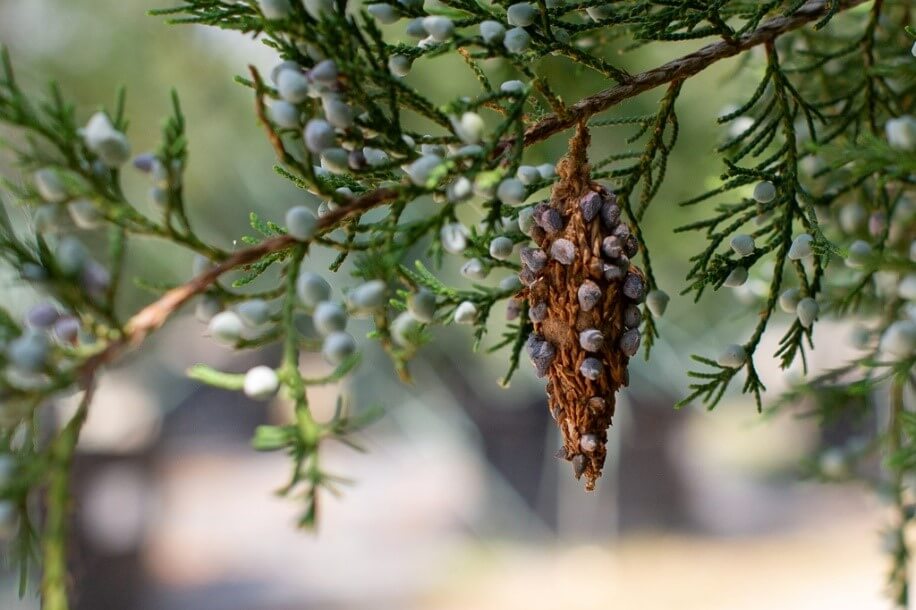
(584, 293)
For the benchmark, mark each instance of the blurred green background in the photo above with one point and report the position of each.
(458, 502)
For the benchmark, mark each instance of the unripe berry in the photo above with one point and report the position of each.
(516, 40)
(459, 190)
(422, 305)
(801, 247)
(591, 368)
(318, 135)
(50, 186)
(384, 13)
(492, 32)
(788, 300)
(512, 86)
(439, 28)
(284, 114)
(899, 340)
(474, 269)
(743, 244)
(806, 311)
(510, 283)
(404, 330)
(105, 141)
(421, 170)
(737, 277)
(764, 192)
(591, 340)
(859, 253)
(368, 297)
(547, 171)
(261, 382)
(454, 238)
(466, 313)
(528, 174)
(511, 191)
(501, 248)
(226, 328)
(335, 160)
(329, 317)
(84, 214)
(415, 28)
(301, 223)
(657, 302)
(375, 156)
(526, 220)
(521, 14)
(275, 9)
(293, 86)
(337, 112)
(852, 217)
(254, 313)
(901, 132)
(733, 356)
(399, 65)
(337, 347)
(312, 289)
(469, 128)
(907, 287)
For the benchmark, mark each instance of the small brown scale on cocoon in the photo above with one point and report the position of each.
(587, 331)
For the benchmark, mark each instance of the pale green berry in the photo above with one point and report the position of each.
(528, 174)
(521, 14)
(318, 135)
(50, 186)
(501, 248)
(474, 269)
(421, 170)
(657, 302)
(510, 283)
(547, 171)
(807, 311)
(261, 382)
(415, 28)
(329, 317)
(375, 156)
(325, 72)
(84, 214)
(511, 191)
(466, 313)
(368, 297)
(422, 305)
(454, 238)
(764, 192)
(907, 287)
(853, 217)
(226, 328)
(337, 347)
(737, 277)
(280, 67)
(733, 356)
(301, 223)
(335, 160)
(293, 86)
(284, 114)
(254, 313)
(399, 65)
(337, 112)
(111, 146)
(512, 86)
(384, 13)
(492, 32)
(859, 253)
(743, 244)
(899, 339)
(469, 128)
(901, 132)
(526, 220)
(404, 330)
(801, 247)
(439, 28)
(788, 300)
(312, 289)
(459, 190)
(516, 40)
(275, 9)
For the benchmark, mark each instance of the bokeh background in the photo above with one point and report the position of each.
(457, 502)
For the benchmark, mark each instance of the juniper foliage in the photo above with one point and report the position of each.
(826, 142)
